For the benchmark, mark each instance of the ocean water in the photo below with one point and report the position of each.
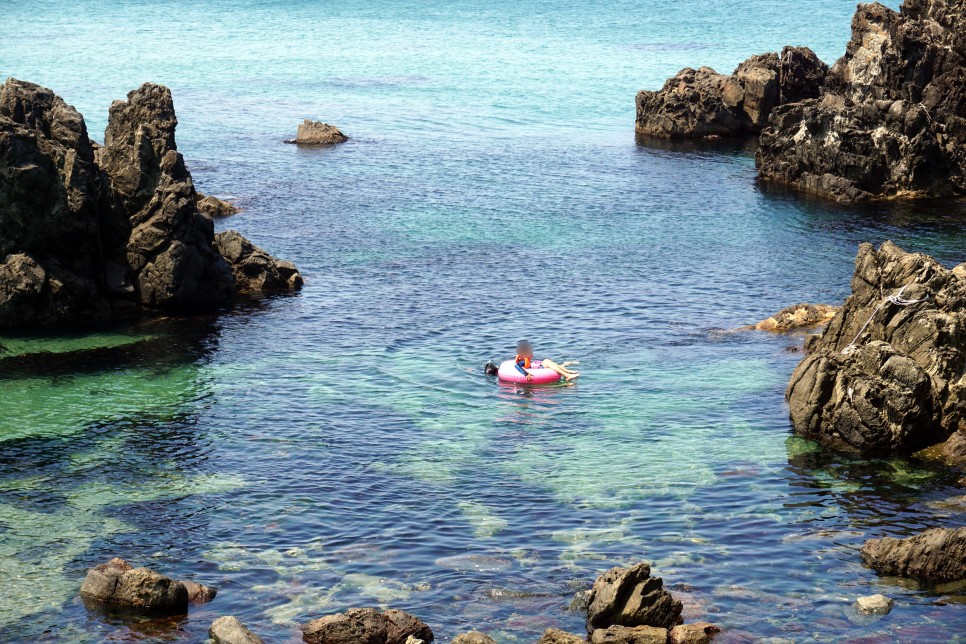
(340, 447)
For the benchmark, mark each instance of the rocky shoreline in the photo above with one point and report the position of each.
(886, 121)
(94, 233)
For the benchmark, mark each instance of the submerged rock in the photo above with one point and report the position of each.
(701, 103)
(936, 555)
(874, 605)
(886, 375)
(631, 597)
(117, 585)
(366, 626)
(892, 118)
(316, 133)
(215, 208)
(91, 233)
(228, 630)
(798, 316)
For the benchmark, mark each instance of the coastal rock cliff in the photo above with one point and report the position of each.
(892, 118)
(887, 375)
(701, 103)
(91, 233)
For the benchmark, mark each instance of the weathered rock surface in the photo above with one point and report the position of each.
(887, 377)
(117, 585)
(254, 270)
(892, 118)
(700, 633)
(798, 316)
(874, 605)
(557, 636)
(90, 233)
(229, 630)
(199, 593)
(629, 635)
(700, 103)
(215, 208)
(316, 133)
(366, 626)
(936, 555)
(473, 637)
(631, 597)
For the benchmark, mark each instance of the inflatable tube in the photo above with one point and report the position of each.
(540, 375)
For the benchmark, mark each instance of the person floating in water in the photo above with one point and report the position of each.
(525, 356)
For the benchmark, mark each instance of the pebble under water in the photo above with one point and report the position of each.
(341, 447)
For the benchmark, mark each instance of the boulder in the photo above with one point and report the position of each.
(892, 118)
(580, 602)
(366, 626)
(629, 635)
(198, 593)
(798, 316)
(886, 376)
(473, 637)
(116, 585)
(701, 103)
(228, 630)
(936, 555)
(557, 636)
(254, 270)
(215, 208)
(631, 597)
(316, 133)
(700, 633)
(874, 605)
(93, 233)
(954, 449)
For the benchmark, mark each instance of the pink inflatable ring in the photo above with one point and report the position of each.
(540, 375)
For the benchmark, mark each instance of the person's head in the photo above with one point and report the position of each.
(490, 369)
(524, 349)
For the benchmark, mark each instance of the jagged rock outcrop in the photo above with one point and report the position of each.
(90, 233)
(366, 626)
(317, 133)
(936, 555)
(118, 585)
(631, 597)
(701, 103)
(892, 118)
(888, 376)
(255, 271)
(215, 208)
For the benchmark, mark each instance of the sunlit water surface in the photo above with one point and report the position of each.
(341, 447)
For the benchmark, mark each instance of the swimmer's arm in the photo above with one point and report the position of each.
(519, 366)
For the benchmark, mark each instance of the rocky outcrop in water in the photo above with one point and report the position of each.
(887, 376)
(700, 633)
(316, 133)
(215, 208)
(631, 597)
(892, 118)
(229, 630)
(798, 316)
(118, 585)
(91, 233)
(366, 626)
(936, 555)
(701, 103)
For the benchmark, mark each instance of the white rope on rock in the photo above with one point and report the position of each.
(897, 299)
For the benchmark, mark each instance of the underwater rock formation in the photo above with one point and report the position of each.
(229, 630)
(316, 133)
(887, 375)
(91, 233)
(117, 585)
(797, 316)
(631, 597)
(366, 626)
(892, 118)
(936, 555)
(700, 103)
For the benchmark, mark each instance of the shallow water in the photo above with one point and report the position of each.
(340, 447)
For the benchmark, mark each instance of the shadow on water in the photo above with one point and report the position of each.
(742, 146)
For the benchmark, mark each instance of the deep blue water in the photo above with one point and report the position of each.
(341, 447)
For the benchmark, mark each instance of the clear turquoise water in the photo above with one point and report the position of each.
(340, 447)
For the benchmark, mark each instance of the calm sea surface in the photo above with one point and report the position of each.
(341, 447)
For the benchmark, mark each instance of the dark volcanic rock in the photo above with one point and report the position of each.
(703, 103)
(366, 626)
(892, 119)
(90, 233)
(215, 208)
(255, 270)
(935, 555)
(886, 377)
(631, 597)
(116, 584)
